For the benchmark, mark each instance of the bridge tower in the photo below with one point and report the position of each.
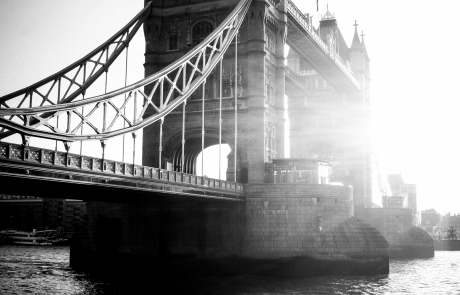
(329, 123)
(173, 29)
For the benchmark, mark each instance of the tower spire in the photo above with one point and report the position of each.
(328, 15)
(356, 43)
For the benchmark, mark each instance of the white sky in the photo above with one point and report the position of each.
(413, 46)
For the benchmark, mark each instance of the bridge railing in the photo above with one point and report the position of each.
(302, 20)
(291, 74)
(275, 3)
(51, 158)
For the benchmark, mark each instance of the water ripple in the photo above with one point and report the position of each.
(45, 270)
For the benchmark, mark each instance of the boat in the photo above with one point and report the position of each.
(34, 238)
(451, 243)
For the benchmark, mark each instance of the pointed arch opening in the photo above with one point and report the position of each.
(211, 162)
(193, 150)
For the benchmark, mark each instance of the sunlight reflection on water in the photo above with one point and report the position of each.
(45, 270)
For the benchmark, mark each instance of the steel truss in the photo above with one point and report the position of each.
(64, 86)
(160, 93)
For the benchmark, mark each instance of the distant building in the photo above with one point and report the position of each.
(449, 220)
(27, 213)
(430, 221)
(403, 195)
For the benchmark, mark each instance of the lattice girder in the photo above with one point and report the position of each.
(72, 82)
(169, 88)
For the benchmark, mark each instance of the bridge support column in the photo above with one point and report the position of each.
(301, 230)
(134, 235)
(255, 122)
(281, 80)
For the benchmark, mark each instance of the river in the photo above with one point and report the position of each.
(45, 270)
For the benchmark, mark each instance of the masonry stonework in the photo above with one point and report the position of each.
(395, 224)
(287, 230)
(307, 220)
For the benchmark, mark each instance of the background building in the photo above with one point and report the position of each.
(402, 195)
(447, 221)
(430, 221)
(28, 213)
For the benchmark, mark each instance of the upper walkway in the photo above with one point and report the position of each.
(303, 38)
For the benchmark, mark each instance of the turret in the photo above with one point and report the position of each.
(329, 30)
(332, 37)
(359, 61)
(357, 54)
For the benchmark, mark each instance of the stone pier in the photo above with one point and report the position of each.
(395, 224)
(283, 230)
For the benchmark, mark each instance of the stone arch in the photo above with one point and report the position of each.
(200, 30)
(173, 148)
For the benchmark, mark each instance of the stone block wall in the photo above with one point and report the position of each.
(447, 245)
(389, 221)
(291, 230)
(160, 230)
(284, 220)
(395, 224)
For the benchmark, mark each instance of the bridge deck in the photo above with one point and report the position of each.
(28, 169)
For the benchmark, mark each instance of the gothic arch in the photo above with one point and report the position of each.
(200, 30)
(173, 148)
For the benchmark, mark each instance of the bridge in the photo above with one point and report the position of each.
(220, 76)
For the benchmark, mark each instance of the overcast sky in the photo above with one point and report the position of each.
(413, 46)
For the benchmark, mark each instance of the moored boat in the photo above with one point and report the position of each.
(34, 238)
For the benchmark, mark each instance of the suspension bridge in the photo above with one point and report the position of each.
(56, 107)
(218, 76)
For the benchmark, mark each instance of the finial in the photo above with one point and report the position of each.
(356, 26)
(362, 36)
(328, 14)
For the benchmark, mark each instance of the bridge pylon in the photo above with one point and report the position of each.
(255, 77)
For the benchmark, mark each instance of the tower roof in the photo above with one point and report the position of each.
(328, 15)
(356, 43)
(328, 19)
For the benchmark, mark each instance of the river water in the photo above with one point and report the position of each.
(45, 270)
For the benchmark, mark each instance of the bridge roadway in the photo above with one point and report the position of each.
(33, 171)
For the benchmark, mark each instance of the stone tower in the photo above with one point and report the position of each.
(298, 225)
(330, 124)
(175, 27)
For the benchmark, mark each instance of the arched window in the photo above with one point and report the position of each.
(173, 42)
(200, 31)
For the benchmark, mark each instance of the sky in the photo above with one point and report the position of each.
(413, 47)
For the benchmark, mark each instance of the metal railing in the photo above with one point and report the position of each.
(291, 74)
(275, 3)
(51, 158)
